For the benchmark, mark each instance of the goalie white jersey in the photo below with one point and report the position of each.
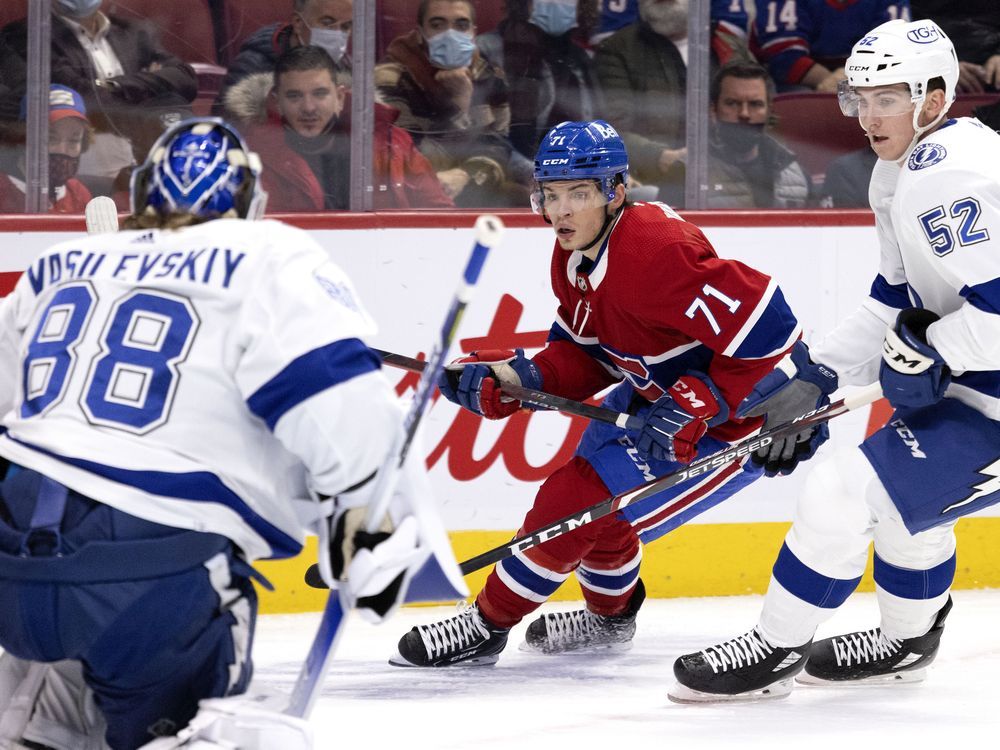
(183, 376)
(938, 223)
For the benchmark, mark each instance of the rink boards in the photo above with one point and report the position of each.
(485, 474)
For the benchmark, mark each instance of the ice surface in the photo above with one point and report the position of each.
(618, 701)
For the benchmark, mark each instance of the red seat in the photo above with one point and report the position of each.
(241, 18)
(813, 126)
(12, 10)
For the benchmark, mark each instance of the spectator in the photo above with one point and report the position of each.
(538, 44)
(321, 23)
(132, 87)
(988, 114)
(845, 184)
(974, 29)
(642, 70)
(298, 129)
(747, 168)
(69, 136)
(453, 103)
(804, 43)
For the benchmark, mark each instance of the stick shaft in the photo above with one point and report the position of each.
(695, 468)
(531, 396)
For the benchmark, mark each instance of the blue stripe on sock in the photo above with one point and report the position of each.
(529, 579)
(802, 581)
(617, 582)
(908, 583)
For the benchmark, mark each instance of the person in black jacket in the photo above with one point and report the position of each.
(974, 28)
(132, 87)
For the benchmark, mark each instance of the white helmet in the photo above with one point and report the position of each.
(910, 52)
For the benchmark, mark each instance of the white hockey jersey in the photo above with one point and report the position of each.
(198, 378)
(938, 223)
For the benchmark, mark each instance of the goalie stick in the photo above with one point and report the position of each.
(531, 396)
(101, 214)
(488, 232)
(673, 508)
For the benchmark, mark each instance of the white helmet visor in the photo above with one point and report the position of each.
(554, 197)
(874, 101)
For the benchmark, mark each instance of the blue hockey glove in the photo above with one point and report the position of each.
(796, 386)
(474, 381)
(677, 420)
(912, 372)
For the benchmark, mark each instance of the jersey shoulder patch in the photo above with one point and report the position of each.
(926, 155)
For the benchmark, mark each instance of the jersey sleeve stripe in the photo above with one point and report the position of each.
(590, 346)
(770, 329)
(309, 374)
(985, 297)
(891, 295)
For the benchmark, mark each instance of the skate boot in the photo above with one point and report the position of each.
(869, 656)
(557, 632)
(747, 668)
(466, 639)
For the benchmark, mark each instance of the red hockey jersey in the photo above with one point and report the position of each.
(658, 303)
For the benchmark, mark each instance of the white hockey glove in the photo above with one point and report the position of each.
(240, 722)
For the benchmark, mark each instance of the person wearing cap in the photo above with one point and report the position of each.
(69, 137)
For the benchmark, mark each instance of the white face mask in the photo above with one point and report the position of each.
(334, 41)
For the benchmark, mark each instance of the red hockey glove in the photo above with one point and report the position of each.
(680, 418)
(474, 381)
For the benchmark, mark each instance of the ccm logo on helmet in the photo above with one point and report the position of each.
(554, 162)
(924, 35)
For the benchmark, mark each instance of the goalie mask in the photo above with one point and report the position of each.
(202, 167)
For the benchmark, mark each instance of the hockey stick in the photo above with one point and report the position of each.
(531, 396)
(488, 232)
(102, 215)
(696, 468)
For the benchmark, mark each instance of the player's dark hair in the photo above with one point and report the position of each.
(936, 84)
(422, 10)
(747, 71)
(304, 58)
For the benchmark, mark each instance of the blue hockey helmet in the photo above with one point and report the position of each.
(200, 166)
(583, 150)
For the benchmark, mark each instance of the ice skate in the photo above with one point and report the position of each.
(558, 632)
(747, 668)
(869, 656)
(466, 639)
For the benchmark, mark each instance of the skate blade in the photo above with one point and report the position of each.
(682, 694)
(913, 675)
(398, 660)
(603, 648)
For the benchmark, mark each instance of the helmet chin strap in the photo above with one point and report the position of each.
(608, 218)
(919, 130)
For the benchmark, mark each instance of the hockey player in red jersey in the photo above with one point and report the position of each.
(644, 302)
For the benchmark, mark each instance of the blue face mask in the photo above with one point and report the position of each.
(451, 49)
(77, 8)
(553, 17)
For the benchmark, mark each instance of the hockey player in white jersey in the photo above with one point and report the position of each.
(930, 333)
(168, 394)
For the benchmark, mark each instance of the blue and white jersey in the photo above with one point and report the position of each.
(938, 221)
(201, 378)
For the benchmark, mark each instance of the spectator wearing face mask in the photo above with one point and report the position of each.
(298, 121)
(453, 103)
(540, 46)
(320, 23)
(642, 70)
(69, 136)
(747, 168)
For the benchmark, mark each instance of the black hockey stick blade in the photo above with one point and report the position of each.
(695, 468)
(531, 396)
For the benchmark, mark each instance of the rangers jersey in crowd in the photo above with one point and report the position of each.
(111, 371)
(790, 36)
(657, 303)
(938, 221)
